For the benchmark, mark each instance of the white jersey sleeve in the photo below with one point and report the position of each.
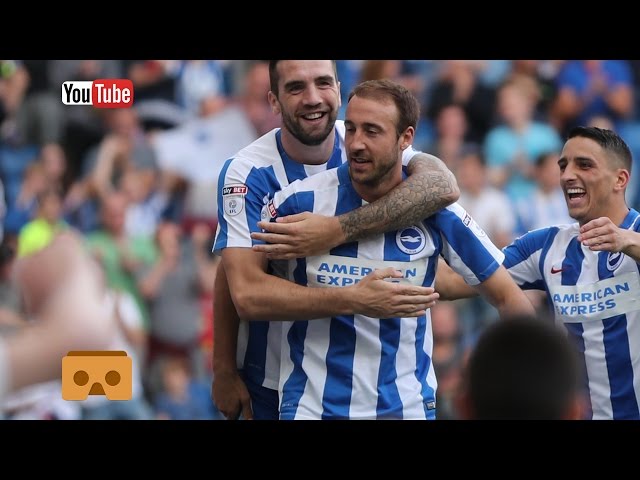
(466, 247)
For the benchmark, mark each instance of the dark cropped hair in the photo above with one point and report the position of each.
(522, 368)
(609, 140)
(406, 103)
(274, 78)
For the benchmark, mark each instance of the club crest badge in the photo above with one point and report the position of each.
(614, 259)
(411, 240)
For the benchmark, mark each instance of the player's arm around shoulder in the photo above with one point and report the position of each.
(432, 173)
(429, 188)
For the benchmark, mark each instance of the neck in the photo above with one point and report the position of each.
(307, 154)
(617, 214)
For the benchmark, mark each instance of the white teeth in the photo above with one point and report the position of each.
(575, 190)
(313, 116)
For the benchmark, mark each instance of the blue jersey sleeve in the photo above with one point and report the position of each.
(466, 247)
(525, 256)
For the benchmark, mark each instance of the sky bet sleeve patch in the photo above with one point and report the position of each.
(233, 199)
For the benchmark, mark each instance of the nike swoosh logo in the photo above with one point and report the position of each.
(556, 270)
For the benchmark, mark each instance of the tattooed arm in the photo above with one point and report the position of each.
(430, 187)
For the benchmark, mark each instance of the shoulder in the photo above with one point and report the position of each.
(262, 152)
(317, 183)
(455, 210)
(252, 159)
(635, 223)
(545, 236)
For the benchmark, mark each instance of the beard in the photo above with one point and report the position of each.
(309, 139)
(381, 172)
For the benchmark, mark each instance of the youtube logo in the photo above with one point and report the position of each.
(102, 93)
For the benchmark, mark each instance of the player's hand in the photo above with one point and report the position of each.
(230, 395)
(380, 298)
(601, 234)
(297, 236)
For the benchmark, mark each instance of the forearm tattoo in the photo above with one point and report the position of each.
(418, 197)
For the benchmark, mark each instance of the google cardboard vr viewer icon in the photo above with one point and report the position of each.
(96, 372)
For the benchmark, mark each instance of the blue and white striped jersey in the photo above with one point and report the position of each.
(354, 366)
(246, 183)
(597, 297)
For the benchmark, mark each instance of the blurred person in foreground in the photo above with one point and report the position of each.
(590, 270)
(61, 291)
(522, 369)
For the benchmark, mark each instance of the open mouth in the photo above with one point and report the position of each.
(312, 117)
(575, 196)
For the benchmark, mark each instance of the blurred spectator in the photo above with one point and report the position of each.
(146, 202)
(634, 65)
(447, 356)
(493, 72)
(41, 401)
(544, 73)
(183, 398)
(488, 206)
(592, 87)
(48, 222)
(3, 210)
(252, 99)
(512, 148)
(40, 117)
(547, 205)
(173, 287)
(153, 79)
(11, 313)
(14, 80)
(131, 337)
(199, 82)
(125, 147)
(80, 207)
(522, 369)
(458, 83)
(451, 136)
(83, 123)
(415, 75)
(155, 85)
(122, 256)
(23, 208)
(494, 213)
(192, 155)
(61, 293)
(378, 69)
(54, 163)
(349, 76)
(408, 73)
